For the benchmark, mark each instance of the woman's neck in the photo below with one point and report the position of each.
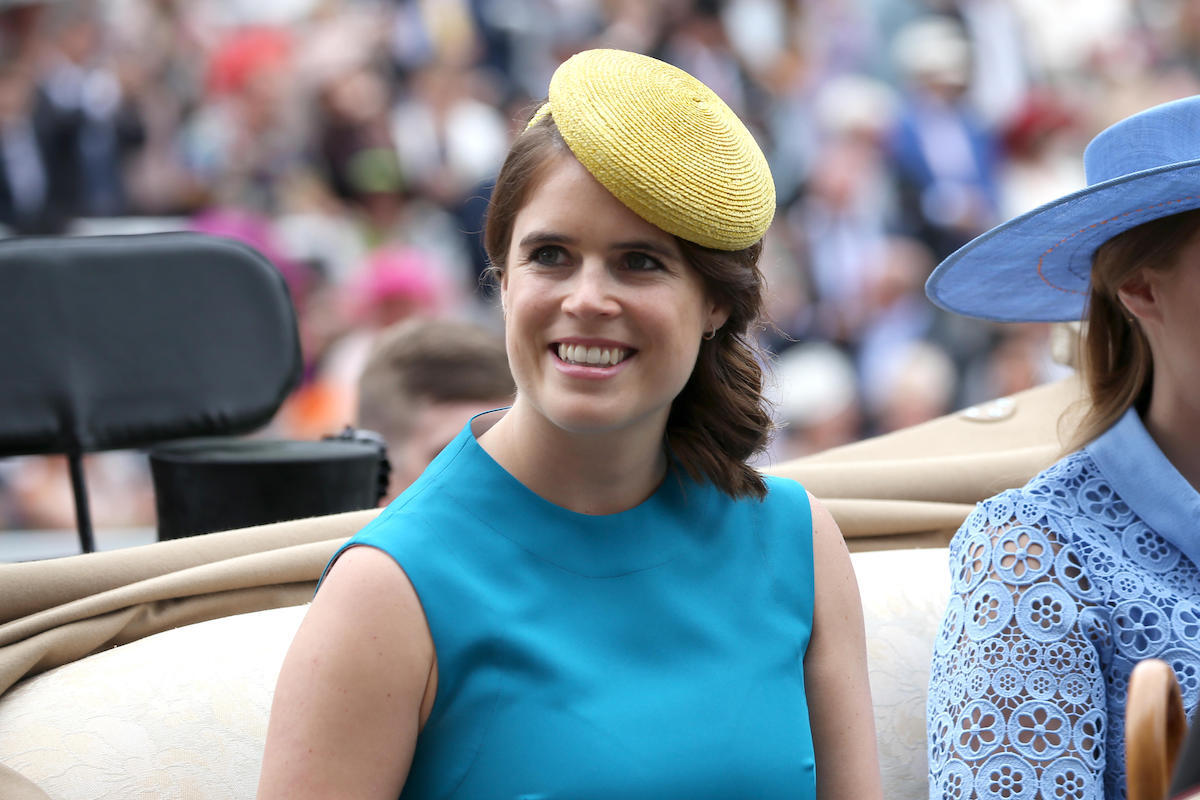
(1173, 421)
(589, 473)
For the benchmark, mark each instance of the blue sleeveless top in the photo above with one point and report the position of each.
(654, 653)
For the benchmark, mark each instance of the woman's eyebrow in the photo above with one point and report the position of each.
(545, 237)
(649, 246)
(550, 237)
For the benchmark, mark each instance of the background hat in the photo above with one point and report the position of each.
(934, 47)
(1037, 267)
(665, 145)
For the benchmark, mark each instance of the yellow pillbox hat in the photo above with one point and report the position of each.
(665, 145)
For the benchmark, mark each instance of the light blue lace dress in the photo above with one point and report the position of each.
(1058, 589)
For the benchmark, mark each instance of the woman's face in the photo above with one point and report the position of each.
(604, 316)
(1172, 325)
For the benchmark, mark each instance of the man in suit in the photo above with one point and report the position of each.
(38, 152)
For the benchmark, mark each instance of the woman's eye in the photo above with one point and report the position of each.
(549, 255)
(640, 262)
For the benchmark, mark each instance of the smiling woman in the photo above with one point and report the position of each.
(591, 594)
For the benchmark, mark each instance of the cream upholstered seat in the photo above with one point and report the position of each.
(904, 594)
(183, 713)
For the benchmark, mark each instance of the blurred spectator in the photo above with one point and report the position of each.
(423, 380)
(1001, 72)
(917, 386)
(67, 126)
(248, 136)
(1021, 358)
(897, 314)
(40, 175)
(844, 37)
(817, 403)
(81, 83)
(423, 33)
(699, 44)
(448, 133)
(1041, 145)
(161, 53)
(397, 283)
(849, 204)
(944, 156)
(1062, 37)
(353, 141)
(757, 31)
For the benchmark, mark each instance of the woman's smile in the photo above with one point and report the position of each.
(592, 355)
(590, 359)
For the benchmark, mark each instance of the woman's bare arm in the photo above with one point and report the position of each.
(355, 687)
(835, 673)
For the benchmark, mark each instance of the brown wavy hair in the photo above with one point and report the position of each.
(1115, 359)
(720, 419)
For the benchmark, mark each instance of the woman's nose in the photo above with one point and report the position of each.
(591, 292)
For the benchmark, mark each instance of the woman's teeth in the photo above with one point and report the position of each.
(592, 356)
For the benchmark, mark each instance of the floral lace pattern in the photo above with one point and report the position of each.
(1057, 590)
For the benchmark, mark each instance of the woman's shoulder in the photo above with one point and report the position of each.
(1062, 492)
(790, 503)
(786, 491)
(1062, 525)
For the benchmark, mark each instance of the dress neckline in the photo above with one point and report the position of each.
(646, 535)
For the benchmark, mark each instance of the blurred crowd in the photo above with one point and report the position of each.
(353, 142)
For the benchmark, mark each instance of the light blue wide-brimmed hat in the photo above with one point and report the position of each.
(1037, 267)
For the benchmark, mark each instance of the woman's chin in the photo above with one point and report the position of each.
(591, 419)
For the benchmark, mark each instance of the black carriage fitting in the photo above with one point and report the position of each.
(206, 485)
(114, 342)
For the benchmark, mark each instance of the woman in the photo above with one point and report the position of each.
(1060, 587)
(591, 594)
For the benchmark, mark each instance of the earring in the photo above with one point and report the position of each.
(709, 336)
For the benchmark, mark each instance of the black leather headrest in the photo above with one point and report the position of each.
(110, 342)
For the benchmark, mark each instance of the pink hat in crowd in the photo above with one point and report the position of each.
(399, 278)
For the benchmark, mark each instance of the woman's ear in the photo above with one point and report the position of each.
(718, 315)
(1139, 294)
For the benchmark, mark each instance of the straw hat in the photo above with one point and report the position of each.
(1037, 267)
(665, 145)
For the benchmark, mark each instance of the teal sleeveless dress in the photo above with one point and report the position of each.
(655, 653)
